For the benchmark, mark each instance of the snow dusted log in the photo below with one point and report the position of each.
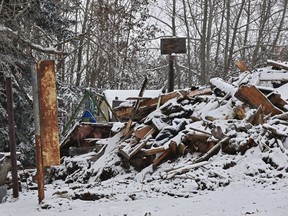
(252, 96)
(220, 87)
(195, 137)
(212, 151)
(277, 64)
(283, 116)
(184, 169)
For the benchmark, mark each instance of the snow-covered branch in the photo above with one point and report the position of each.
(37, 47)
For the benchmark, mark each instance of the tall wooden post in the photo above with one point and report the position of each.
(11, 124)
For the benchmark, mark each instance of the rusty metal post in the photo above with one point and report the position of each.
(39, 161)
(49, 133)
(171, 73)
(11, 123)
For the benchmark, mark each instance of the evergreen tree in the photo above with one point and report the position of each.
(26, 28)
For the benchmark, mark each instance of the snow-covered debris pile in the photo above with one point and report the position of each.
(209, 135)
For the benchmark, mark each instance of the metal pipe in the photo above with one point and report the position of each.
(39, 161)
(171, 74)
(11, 124)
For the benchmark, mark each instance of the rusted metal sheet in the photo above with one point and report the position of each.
(48, 113)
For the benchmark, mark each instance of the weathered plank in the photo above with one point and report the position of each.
(141, 132)
(252, 96)
(158, 161)
(155, 150)
(241, 66)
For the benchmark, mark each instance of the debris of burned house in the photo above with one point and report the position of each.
(204, 120)
(83, 136)
(231, 117)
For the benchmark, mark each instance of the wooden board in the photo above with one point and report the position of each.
(241, 66)
(141, 132)
(252, 96)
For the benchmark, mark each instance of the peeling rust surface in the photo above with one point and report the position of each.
(48, 113)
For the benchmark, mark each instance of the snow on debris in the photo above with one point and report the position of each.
(196, 145)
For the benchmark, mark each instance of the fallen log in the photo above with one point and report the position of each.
(193, 137)
(173, 147)
(276, 100)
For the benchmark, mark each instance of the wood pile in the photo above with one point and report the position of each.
(228, 116)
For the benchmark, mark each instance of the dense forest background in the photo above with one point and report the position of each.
(113, 44)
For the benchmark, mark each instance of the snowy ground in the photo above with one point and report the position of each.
(239, 198)
(249, 182)
(249, 187)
